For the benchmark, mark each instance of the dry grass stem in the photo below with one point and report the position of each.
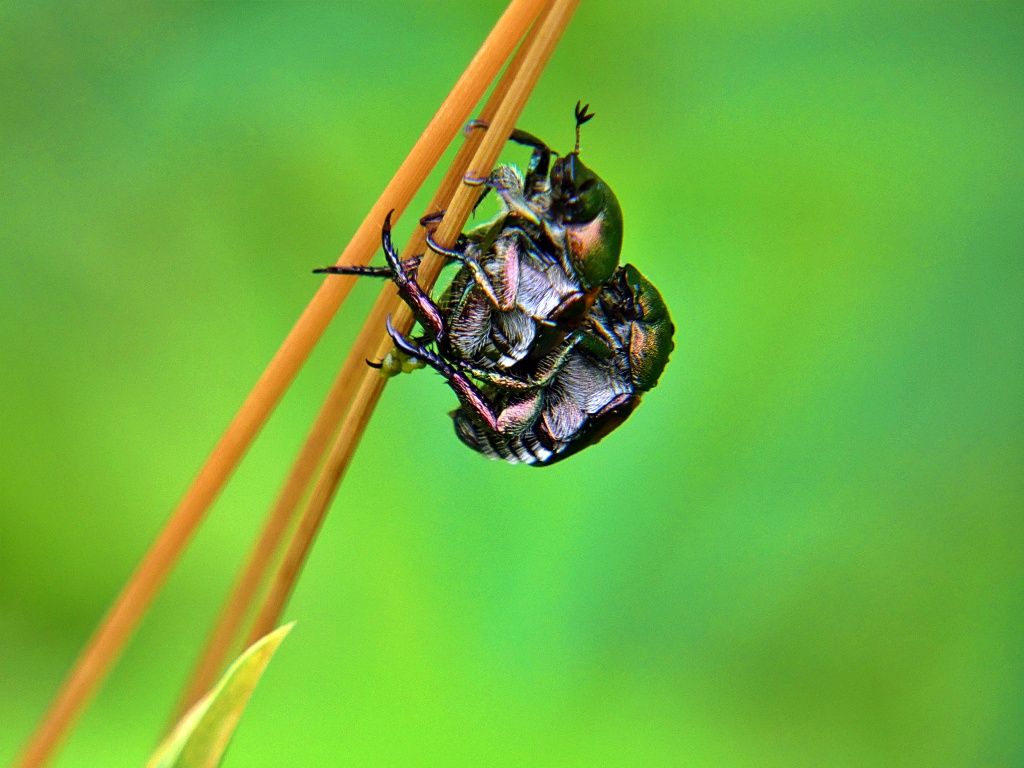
(227, 633)
(354, 371)
(508, 102)
(117, 626)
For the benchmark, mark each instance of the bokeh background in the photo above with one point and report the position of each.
(805, 549)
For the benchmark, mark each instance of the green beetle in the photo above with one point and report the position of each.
(618, 353)
(529, 275)
(548, 343)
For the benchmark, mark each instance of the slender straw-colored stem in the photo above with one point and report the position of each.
(117, 626)
(536, 56)
(354, 371)
(226, 634)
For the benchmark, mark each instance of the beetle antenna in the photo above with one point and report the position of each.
(582, 116)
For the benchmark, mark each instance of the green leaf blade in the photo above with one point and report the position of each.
(201, 737)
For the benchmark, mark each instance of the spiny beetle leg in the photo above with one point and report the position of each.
(540, 160)
(355, 270)
(480, 277)
(541, 379)
(464, 389)
(408, 266)
(518, 136)
(415, 348)
(422, 306)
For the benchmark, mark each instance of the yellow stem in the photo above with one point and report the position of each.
(226, 635)
(520, 84)
(117, 626)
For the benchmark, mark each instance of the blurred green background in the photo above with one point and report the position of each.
(805, 549)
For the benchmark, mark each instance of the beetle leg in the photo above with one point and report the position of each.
(500, 379)
(467, 392)
(518, 412)
(518, 136)
(409, 265)
(547, 368)
(552, 363)
(529, 140)
(599, 342)
(540, 161)
(473, 125)
(509, 184)
(433, 218)
(436, 216)
(422, 306)
(509, 274)
(452, 253)
(512, 419)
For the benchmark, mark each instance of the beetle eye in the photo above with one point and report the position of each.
(574, 206)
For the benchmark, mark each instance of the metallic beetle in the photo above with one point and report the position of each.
(546, 341)
(626, 342)
(529, 275)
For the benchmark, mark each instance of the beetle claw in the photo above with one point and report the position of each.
(433, 218)
(473, 125)
(403, 342)
(436, 247)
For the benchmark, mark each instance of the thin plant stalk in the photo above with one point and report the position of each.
(117, 626)
(227, 633)
(372, 384)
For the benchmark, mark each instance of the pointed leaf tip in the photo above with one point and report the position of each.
(201, 737)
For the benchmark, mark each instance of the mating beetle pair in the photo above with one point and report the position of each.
(547, 342)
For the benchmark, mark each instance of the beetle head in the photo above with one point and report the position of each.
(589, 213)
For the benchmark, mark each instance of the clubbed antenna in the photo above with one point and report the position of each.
(581, 117)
